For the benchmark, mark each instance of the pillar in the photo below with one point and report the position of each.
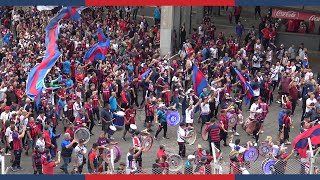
(166, 29)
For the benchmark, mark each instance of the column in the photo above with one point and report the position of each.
(166, 29)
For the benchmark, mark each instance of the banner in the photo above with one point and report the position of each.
(287, 14)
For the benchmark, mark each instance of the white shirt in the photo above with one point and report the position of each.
(8, 134)
(4, 116)
(41, 143)
(253, 109)
(189, 119)
(76, 109)
(205, 108)
(131, 165)
(78, 151)
(308, 103)
(214, 52)
(180, 134)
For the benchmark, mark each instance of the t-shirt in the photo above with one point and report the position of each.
(181, 133)
(253, 109)
(189, 115)
(205, 109)
(78, 151)
(48, 168)
(309, 102)
(113, 103)
(131, 163)
(161, 116)
(8, 134)
(41, 143)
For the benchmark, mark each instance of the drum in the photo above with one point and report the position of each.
(146, 142)
(240, 118)
(116, 153)
(173, 118)
(268, 166)
(249, 126)
(82, 133)
(175, 162)
(118, 118)
(132, 128)
(251, 155)
(204, 132)
(192, 137)
(232, 119)
(112, 130)
(264, 149)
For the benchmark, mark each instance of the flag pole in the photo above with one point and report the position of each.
(312, 157)
(213, 149)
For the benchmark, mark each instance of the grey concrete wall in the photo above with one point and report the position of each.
(166, 29)
(311, 41)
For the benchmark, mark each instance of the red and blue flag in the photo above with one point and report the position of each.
(98, 51)
(245, 85)
(301, 144)
(199, 81)
(35, 82)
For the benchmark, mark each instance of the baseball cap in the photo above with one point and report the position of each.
(190, 157)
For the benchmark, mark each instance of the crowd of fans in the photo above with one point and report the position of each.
(88, 94)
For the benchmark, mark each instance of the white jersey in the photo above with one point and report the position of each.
(131, 163)
(180, 134)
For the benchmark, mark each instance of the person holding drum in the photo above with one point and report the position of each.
(103, 141)
(129, 118)
(181, 138)
(161, 119)
(106, 118)
(224, 126)
(132, 158)
(79, 159)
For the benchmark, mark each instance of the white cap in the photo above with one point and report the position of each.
(190, 157)
(199, 146)
(162, 105)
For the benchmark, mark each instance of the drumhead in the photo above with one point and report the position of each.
(192, 138)
(82, 133)
(175, 162)
(133, 126)
(113, 128)
(204, 133)
(120, 113)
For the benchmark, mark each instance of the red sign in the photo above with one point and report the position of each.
(287, 14)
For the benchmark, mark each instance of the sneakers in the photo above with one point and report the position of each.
(165, 138)
(20, 168)
(155, 138)
(7, 154)
(14, 169)
(111, 138)
(236, 134)
(261, 132)
(278, 102)
(124, 138)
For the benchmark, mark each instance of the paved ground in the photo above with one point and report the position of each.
(270, 128)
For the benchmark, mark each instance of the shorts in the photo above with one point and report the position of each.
(280, 128)
(127, 127)
(149, 119)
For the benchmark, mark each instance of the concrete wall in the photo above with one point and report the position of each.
(311, 41)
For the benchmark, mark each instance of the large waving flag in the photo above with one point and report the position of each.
(245, 84)
(198, 80)
(35, 82)
(300, 143)
(97, 52)
(101, 36)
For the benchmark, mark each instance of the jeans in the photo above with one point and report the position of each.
(175, 101)
(66, 161)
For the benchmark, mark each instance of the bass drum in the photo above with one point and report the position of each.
(249, 126)
(146, 143)
(192, 137)
(204, 132)
(175, 162)
(268, 166)
(116, 153)
(232, 119)
(82, 133)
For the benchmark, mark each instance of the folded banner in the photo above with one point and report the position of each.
(35, 81)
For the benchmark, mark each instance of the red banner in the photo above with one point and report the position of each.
(287, 14)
